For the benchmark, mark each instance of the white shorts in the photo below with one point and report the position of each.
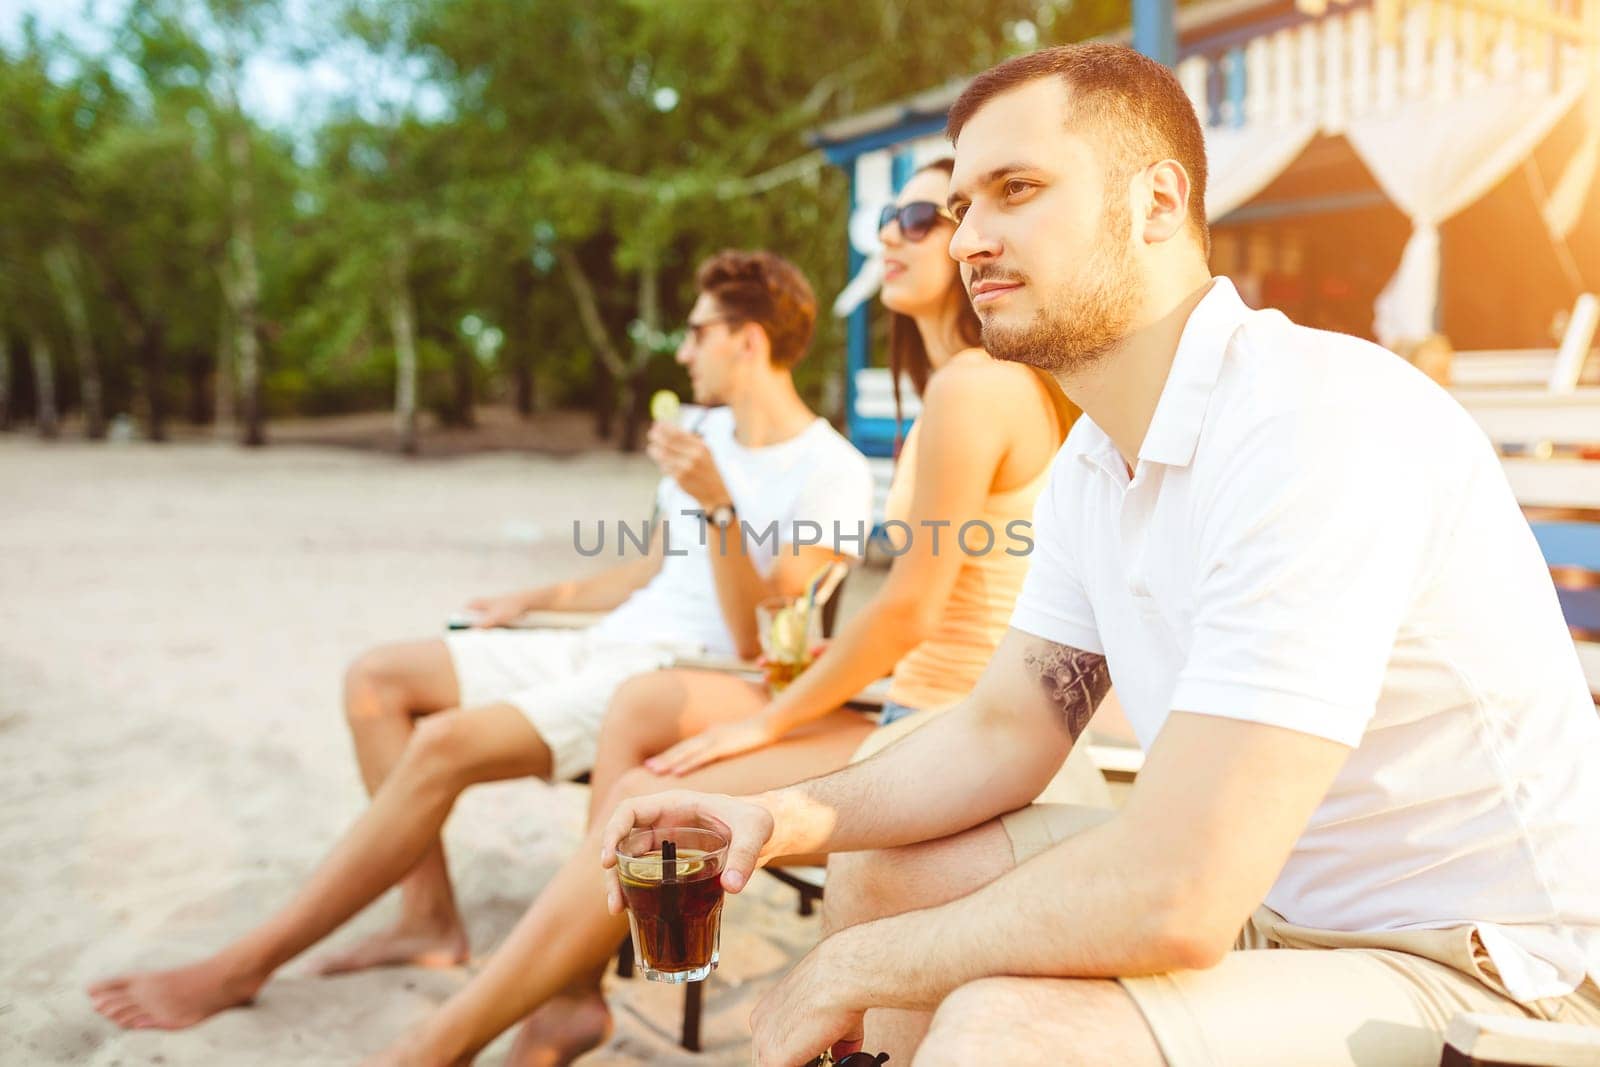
(562, 680)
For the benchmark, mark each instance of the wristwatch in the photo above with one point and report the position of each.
(721, 516)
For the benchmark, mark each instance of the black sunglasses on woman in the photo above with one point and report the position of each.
(916, 219)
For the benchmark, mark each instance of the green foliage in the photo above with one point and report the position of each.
(636, 135)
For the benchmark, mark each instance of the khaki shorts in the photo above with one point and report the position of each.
(562, 680)
(1374, 999)
(1078, 781)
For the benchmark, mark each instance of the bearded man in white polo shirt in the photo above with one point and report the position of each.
(1370, 798)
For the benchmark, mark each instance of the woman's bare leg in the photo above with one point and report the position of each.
(650, 713)
(448, 753)
(567, 936)
(385, 691)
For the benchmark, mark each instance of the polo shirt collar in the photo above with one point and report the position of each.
(1175, 428)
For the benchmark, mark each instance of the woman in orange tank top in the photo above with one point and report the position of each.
(980, 452)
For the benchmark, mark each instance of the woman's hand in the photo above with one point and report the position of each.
(717, 743)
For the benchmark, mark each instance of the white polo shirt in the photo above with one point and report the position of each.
(813, 488)
(1318, 537)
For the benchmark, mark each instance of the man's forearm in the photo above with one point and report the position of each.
(740, 586)
(597, 592)
(962, 769)
(1096, 906)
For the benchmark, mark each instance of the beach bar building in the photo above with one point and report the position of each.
(1394, 169)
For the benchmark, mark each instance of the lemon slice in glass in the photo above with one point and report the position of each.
(647, 870)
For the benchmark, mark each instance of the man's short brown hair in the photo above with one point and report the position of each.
(765, 289)
(1136, 103)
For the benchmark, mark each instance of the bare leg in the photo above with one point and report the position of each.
(567, 937)
(385, 691)
(448, 753)
(650, 713)
(863, 886)
(1043, 1021)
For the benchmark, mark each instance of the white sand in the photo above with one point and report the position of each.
(174, 623)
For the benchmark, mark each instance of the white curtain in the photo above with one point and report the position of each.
(1433, 158)
(1242, 161)
(1564, 205)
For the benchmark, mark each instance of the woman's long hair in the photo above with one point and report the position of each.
(908, 356)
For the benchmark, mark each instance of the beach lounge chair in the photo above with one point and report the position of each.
(1499, 1041)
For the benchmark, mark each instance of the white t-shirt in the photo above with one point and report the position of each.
(1318, 537)
(813, 488)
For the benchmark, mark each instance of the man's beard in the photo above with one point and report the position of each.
(1074, 329)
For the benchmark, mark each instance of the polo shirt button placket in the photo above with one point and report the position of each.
(1135, 532)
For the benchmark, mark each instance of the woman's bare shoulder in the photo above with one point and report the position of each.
(974, 370)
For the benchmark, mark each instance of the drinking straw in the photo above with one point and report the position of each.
(671, 910)
(836, 575)
(811, 592)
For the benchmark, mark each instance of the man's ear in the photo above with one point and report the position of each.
(1166, 201)
(754, 343)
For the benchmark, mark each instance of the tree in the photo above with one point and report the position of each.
(50, 123)
(675, 129)
(470, 204)
(65, 275)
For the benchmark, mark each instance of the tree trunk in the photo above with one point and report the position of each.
(5, 382)
(611, 368)
(633, 403)
(402, 322)
(44, 386)
(245, 286)
(461, 373)
(520, 336)
(199, 374)
(635, 412)
(153, 358)
(222, 377)
(605, 401)
(58, 262)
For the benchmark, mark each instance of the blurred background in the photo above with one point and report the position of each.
(467, 229)
(219, 214)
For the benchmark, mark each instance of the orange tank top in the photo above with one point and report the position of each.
(945, 666)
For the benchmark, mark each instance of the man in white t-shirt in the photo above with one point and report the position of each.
(754, 503)
(1369, 800)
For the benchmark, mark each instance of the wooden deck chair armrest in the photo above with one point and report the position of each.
(705, 661)
(1117, 763)
(1570, 576)
(557, 620)
(1589, 657)
(872, 696)
(1505, 1041)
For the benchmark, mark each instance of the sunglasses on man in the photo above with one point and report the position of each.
(917, 219)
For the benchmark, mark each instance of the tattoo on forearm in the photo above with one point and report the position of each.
(1074, 681)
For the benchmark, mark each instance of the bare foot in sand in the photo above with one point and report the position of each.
(561, 1030)
(557, 1033)
(175, 999)
(402, 1055)
(407, 944)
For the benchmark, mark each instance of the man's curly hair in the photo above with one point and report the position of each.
(765, 289)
